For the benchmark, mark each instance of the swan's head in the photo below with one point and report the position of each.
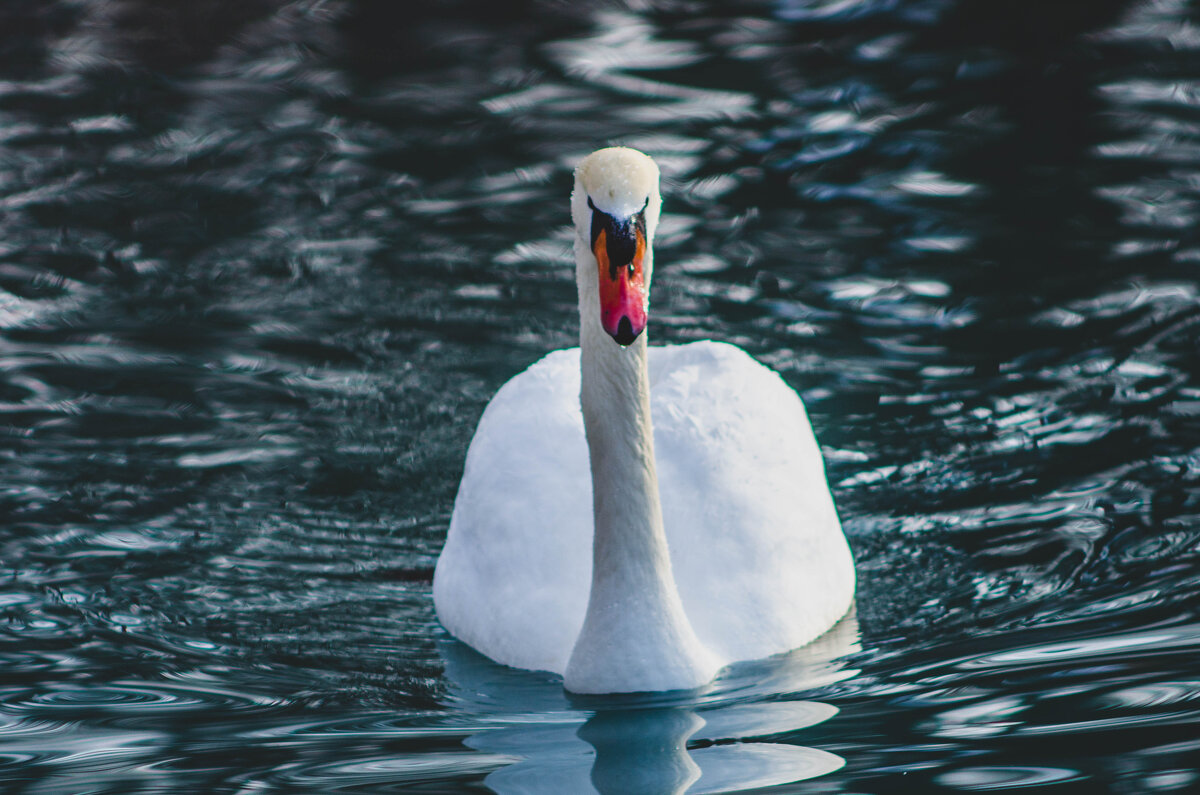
(615, 207)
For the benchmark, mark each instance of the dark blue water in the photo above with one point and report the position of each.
(262, 263)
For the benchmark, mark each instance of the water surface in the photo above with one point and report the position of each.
(262, 263)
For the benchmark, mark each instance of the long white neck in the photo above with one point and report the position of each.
(635, 635)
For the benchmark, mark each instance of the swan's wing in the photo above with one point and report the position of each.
(512, 580)
(756, 546)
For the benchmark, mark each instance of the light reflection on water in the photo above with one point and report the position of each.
(262, 264)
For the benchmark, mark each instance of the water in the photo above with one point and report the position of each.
(263, 262)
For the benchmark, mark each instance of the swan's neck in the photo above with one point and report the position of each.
(629, 548)
(635, 634)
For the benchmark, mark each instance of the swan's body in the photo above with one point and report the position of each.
(679, 522)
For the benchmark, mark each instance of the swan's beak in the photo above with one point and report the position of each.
(620, 246)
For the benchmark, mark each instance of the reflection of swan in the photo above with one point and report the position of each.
(750, 560)
(717, 741)
(643, 750)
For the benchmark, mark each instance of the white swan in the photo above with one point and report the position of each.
(715, 537)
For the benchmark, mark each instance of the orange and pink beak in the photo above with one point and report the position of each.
(619, 245)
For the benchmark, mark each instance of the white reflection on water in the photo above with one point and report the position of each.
(708, 740)
(1091, 647)
(1005, 778)
(646, 751)
(634, 752)
(625, 42)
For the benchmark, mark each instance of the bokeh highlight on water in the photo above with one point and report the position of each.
(263, 262)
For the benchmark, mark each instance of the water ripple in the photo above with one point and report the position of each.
(263, 263)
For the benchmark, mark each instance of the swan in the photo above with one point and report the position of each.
(635, 518)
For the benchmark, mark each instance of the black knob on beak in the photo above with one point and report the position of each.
(625, 334)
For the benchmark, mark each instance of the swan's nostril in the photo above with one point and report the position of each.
(625, 333)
